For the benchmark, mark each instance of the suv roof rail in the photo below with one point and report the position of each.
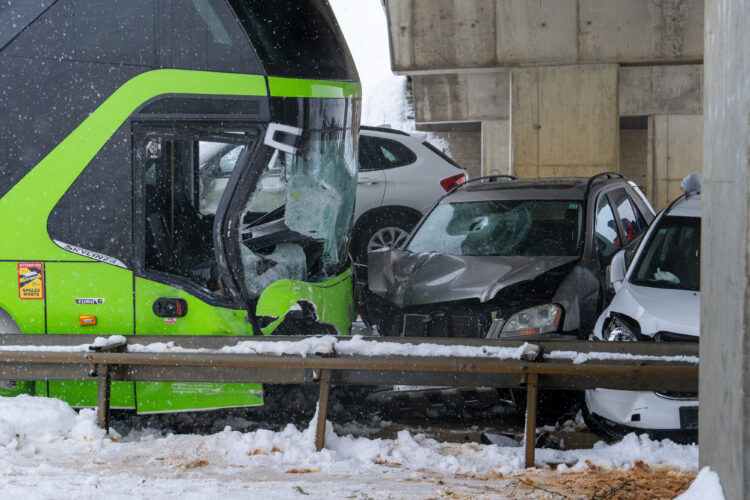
(494, 178)
(609, 175)
(384, 129)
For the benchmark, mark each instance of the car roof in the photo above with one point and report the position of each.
(688, 206)
(552, 188)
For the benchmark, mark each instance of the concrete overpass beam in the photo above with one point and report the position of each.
(564, 120)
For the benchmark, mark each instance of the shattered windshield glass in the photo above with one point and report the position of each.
(296, 221)
(672, 257)
(502, 228)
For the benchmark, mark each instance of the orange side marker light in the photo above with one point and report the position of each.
(85, 320)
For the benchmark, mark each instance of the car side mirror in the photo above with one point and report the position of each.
(616, 271)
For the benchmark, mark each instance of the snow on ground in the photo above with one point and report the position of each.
(706, 486)
(47, 450)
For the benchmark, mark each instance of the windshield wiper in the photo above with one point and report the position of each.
(660, 284)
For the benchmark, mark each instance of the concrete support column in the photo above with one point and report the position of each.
(495, 147)
(725, 248)
(676, 153)
(564, 120)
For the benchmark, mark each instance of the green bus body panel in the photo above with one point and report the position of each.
(333, 300)
(29, 313)
(68, 281)
(201, 319)
(164, 397)
(22, 388)
(81, 394)
(294, 87)
(25, 208)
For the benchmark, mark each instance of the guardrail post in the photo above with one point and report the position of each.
(102, 396)
(530, 432)
(325, 388)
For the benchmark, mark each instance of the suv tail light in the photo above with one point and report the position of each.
(451, 182)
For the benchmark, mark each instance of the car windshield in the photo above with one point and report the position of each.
(502, 227)
(671, 258)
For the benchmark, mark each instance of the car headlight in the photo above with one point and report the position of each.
(619, 331)
(540, 319)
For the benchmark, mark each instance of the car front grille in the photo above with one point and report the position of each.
(441, 325)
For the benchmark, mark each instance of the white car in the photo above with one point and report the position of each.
(657, 299)
(401, 176)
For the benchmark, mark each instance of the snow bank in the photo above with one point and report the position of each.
(49, 451)
(30, 420)
(706, 486)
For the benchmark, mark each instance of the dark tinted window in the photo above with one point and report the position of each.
(206, 36)
(367, 158)
(392, 154)
(630, 218)
(297, 38)
(16, 14)
(607, 237)
(95, 213)
(124, 32)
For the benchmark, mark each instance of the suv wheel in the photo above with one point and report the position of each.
(381, 230)
(391, 236)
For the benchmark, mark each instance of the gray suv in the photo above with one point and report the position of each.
(508, 258)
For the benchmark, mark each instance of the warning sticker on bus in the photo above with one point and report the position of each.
(30, 280)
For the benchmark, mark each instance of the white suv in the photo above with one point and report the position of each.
(658, 299)
(400, 177)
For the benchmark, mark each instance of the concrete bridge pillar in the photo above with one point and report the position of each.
(725, 247)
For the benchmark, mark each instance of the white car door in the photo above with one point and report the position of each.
(371, 179)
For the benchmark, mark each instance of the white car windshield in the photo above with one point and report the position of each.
(671, 258)
(533, 228)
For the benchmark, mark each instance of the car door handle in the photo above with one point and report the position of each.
(368, 182)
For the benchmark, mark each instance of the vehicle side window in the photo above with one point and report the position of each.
(631, 220)
(393, 154)
(368, 161)
(185, 177)
(607, 237)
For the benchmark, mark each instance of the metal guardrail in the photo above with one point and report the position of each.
(114, 363)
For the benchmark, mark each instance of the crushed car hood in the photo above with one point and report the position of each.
(410, 279)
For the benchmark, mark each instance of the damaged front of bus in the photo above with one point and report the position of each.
(193, 172)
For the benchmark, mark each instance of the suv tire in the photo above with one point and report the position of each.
(387, 226)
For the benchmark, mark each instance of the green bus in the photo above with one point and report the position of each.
(174, 167)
